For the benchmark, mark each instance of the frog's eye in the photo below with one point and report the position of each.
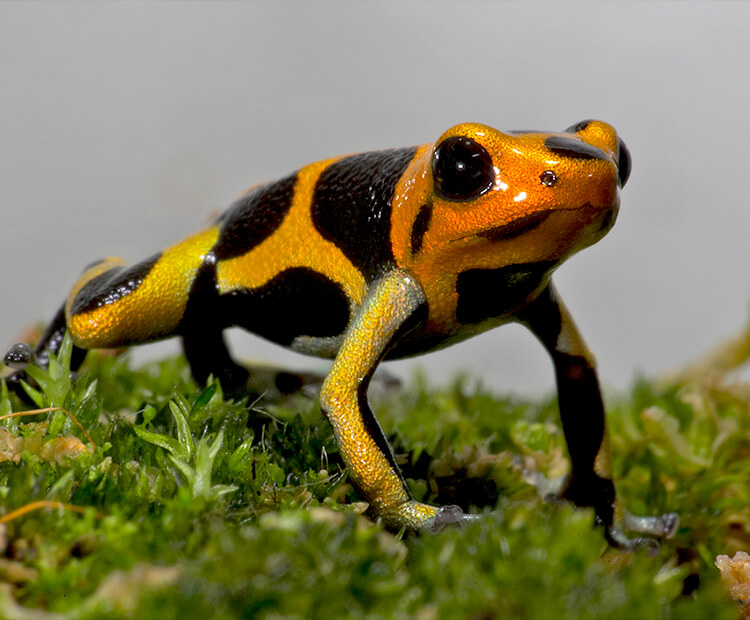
(462, 169)
(623, 163)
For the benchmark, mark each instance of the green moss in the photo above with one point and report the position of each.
(200, 507)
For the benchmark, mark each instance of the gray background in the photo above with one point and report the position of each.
(123, 126)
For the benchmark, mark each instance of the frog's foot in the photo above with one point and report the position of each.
(662, 526)
(616, 533)
(19, 356)
(451, 515)
(415, 515)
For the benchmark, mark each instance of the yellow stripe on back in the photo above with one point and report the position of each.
(296, 243)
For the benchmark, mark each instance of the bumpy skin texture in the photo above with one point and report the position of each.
(383, 255)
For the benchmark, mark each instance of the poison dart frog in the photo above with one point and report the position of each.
(384, 255)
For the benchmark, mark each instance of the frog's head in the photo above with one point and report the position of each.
(482, 198)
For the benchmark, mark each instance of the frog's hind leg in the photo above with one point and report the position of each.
(21, 355)
(207, 353)
(203, 343)
(91, 296)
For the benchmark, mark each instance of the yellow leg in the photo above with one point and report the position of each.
(389, 309)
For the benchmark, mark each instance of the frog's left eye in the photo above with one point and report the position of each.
(462, 169)
(623, 163)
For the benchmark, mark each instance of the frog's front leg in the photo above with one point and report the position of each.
(394, 305)
(583, 419)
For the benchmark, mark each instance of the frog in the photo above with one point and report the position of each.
(385, 255)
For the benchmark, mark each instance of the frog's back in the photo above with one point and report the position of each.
(294, 258)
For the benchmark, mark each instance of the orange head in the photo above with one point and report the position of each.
(480, 197)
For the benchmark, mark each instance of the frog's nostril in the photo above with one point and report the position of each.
(623, 163)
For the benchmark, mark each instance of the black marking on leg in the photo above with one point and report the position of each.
(254, 217)
(572, 147)
(582, 415)
(421, 224)
(202, 334)
(48, 344)
(581, 408)
(490, 293)
(352, 206)
(111, 286)
(296, 302)
(52, 339)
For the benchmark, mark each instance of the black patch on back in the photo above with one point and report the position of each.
(296, 302)
(254, 217)
(571, 147)
(112, 285)
(488, 293)
(352, 206)
(421, 224)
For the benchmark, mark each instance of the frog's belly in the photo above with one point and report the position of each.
(412, 344)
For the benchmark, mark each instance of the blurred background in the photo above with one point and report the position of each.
(124, 126)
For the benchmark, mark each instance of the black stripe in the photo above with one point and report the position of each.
(515, 228)
(421, 224)
(111, 286)
(582, 416)
(581, 408)
(296, 302)
(579, 126)
(375, 431)
(352, 206)
(254, 217)
(572, 147)
(491, 293)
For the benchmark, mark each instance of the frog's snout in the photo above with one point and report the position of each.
(623, 163)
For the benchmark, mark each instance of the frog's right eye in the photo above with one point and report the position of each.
(462, 169)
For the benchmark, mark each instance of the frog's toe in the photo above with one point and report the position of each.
(19, 356)
(618, 539)
(663, 526)
(451, 515)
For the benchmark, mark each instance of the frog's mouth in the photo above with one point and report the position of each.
(516, 228)
(526, 224)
